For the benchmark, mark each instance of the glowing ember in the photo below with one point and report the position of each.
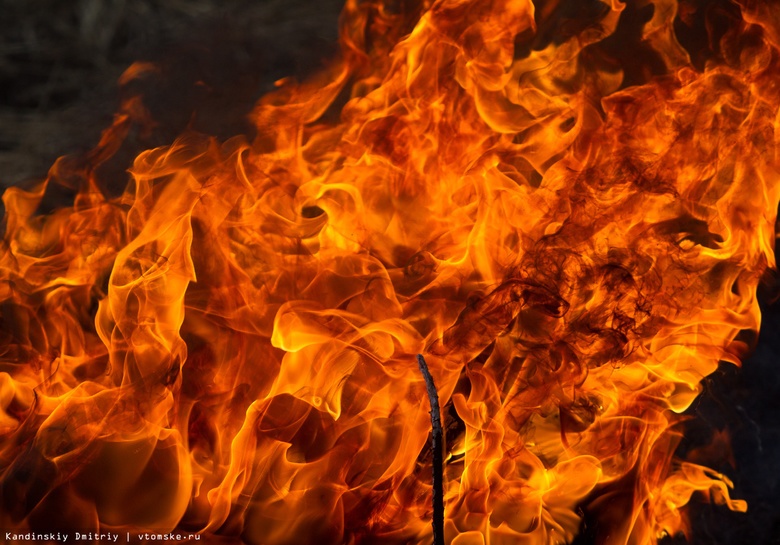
(229, 348)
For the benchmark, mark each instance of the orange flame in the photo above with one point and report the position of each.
(573, 242)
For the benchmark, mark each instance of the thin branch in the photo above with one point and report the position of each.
(437, 444)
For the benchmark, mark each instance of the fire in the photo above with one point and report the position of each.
(572, 240)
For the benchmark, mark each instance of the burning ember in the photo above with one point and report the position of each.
(560, 207)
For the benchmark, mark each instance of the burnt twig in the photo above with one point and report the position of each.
(437, 444)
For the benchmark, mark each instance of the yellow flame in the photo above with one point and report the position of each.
(228, 347)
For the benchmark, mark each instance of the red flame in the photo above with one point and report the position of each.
(572, 238)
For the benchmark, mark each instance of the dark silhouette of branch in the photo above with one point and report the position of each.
(437, 444)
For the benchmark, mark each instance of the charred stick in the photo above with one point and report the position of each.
(437, 445)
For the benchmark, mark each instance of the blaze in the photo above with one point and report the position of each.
(571, 234)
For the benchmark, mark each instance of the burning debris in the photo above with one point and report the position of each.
(565, 207)
(437, 448)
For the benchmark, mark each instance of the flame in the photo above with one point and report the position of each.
(572, 238)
